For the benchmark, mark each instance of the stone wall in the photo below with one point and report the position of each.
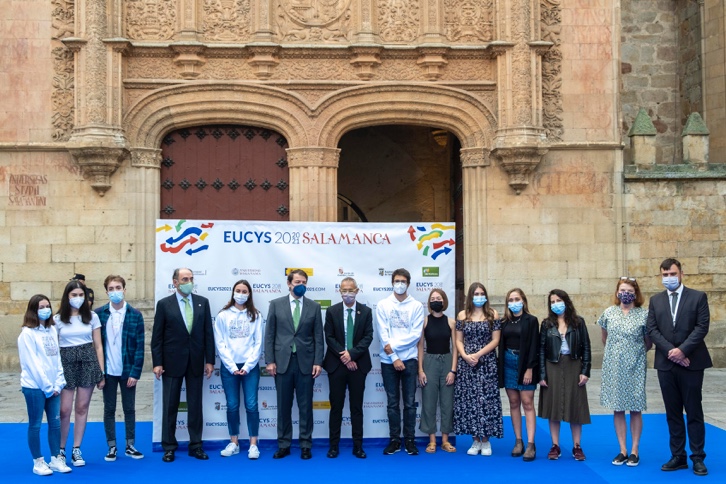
(689, 60)
(714, 54)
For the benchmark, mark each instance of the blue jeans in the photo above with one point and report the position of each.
(231, 384)
(396, 383)
(37, 403)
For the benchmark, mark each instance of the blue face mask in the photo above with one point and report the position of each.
(515, 307)
(299, 290)
(116, 296)
(558, 307)
(671, 283)
(43, 313)
(479, 301)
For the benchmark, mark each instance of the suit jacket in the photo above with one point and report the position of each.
(688, 333)
(335, 337)
(172, 346)
(132, 340)
(280, 334)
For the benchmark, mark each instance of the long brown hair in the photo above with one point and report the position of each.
(65, 305)
(469, 303)
(249, 305)
(525, 308)
(571, 317)
(31, 319)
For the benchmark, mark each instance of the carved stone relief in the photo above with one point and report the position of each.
(469, 70)
(551, 20)
(150, 19)
(469, 20)
(151, 68)
(521, 64)
(227, 69)
(62, 101)
(313, 20)
(226, 20)
(399, 20)
(312, 69)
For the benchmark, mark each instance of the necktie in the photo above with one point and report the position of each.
(349, 329)
(674, 304)
(295, 321)
(189, 312)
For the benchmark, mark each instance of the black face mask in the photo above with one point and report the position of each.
(436, 306)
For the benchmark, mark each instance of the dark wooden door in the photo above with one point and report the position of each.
(224, 173)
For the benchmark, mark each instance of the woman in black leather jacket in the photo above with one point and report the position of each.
(565, 361)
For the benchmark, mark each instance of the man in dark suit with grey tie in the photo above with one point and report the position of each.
(294, 356)
(182, 348)
(348, 334)
(678, 321)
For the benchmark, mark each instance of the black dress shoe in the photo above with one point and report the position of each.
(359, 453)
(198, 453)
(676, 463)
(332, 453)
(699, 468)
(280, 453)
(308, 454)
(168, 456)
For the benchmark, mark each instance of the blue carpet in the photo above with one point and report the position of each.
(599, 444)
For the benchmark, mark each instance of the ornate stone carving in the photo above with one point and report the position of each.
(226, 20)
(521, 64)
(469, 70)
(550, 23)
(227, 69)
(146, 158)
(399, 70)
(62, 98)
(189, 59)
(264, 60)
(433, 61)
(313, 157)
(150, 19)
(519, 162)
(97, 164)
(399, 20)
(151, 68)
(474, 157)
(312, 69)
(469, 20)
(365, 59)
(314, 20)
(62, 95)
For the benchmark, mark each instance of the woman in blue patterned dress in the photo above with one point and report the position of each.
(477, 405)
(624, 364)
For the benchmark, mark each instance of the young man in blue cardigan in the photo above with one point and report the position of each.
(122, 333)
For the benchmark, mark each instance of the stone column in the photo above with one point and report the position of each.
(188, 13)
(474, 162)
(143, 192)
(97, 142)
(263, 32)
(365, 28)
(521, 141)
(313, 183)
(432, 22)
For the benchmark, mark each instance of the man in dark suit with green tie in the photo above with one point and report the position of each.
(348, 334)
(294, 356)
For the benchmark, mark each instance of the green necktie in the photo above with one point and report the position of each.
(189, 314)
(349, 329)
(295, 321)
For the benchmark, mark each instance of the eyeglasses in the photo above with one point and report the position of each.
(625, 278)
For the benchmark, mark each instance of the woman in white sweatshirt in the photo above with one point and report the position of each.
(41, 381)
(238, 337)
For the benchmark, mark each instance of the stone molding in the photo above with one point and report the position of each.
(519, 162)
(97, 164)
(475, 157)
(146, 158)
(316, 156)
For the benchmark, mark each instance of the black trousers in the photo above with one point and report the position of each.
(355, 382)
(290, 385)
(170, 407)
(681, 389)
(128, 403)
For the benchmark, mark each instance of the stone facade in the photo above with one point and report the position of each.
(535, 91)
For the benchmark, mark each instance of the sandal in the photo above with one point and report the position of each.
(447, 447)
(431, 448)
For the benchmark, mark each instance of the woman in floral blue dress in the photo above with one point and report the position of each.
(624, 365)
(477, 404)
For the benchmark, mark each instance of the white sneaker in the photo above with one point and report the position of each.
(58, 464)
(254, 452)
(230, 450)
(40, 467)
(77, 457)
(475, 448)
(486, 448)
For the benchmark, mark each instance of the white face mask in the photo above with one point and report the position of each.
(77, 302)
(400, 288)
(240, 298)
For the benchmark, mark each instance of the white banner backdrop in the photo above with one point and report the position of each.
(223, 252)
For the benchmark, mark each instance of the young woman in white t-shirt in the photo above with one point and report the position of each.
(81, 350)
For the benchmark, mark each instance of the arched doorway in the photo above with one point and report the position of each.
(224, 172)
(402, 173)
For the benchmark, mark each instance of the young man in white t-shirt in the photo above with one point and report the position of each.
(399, 322)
